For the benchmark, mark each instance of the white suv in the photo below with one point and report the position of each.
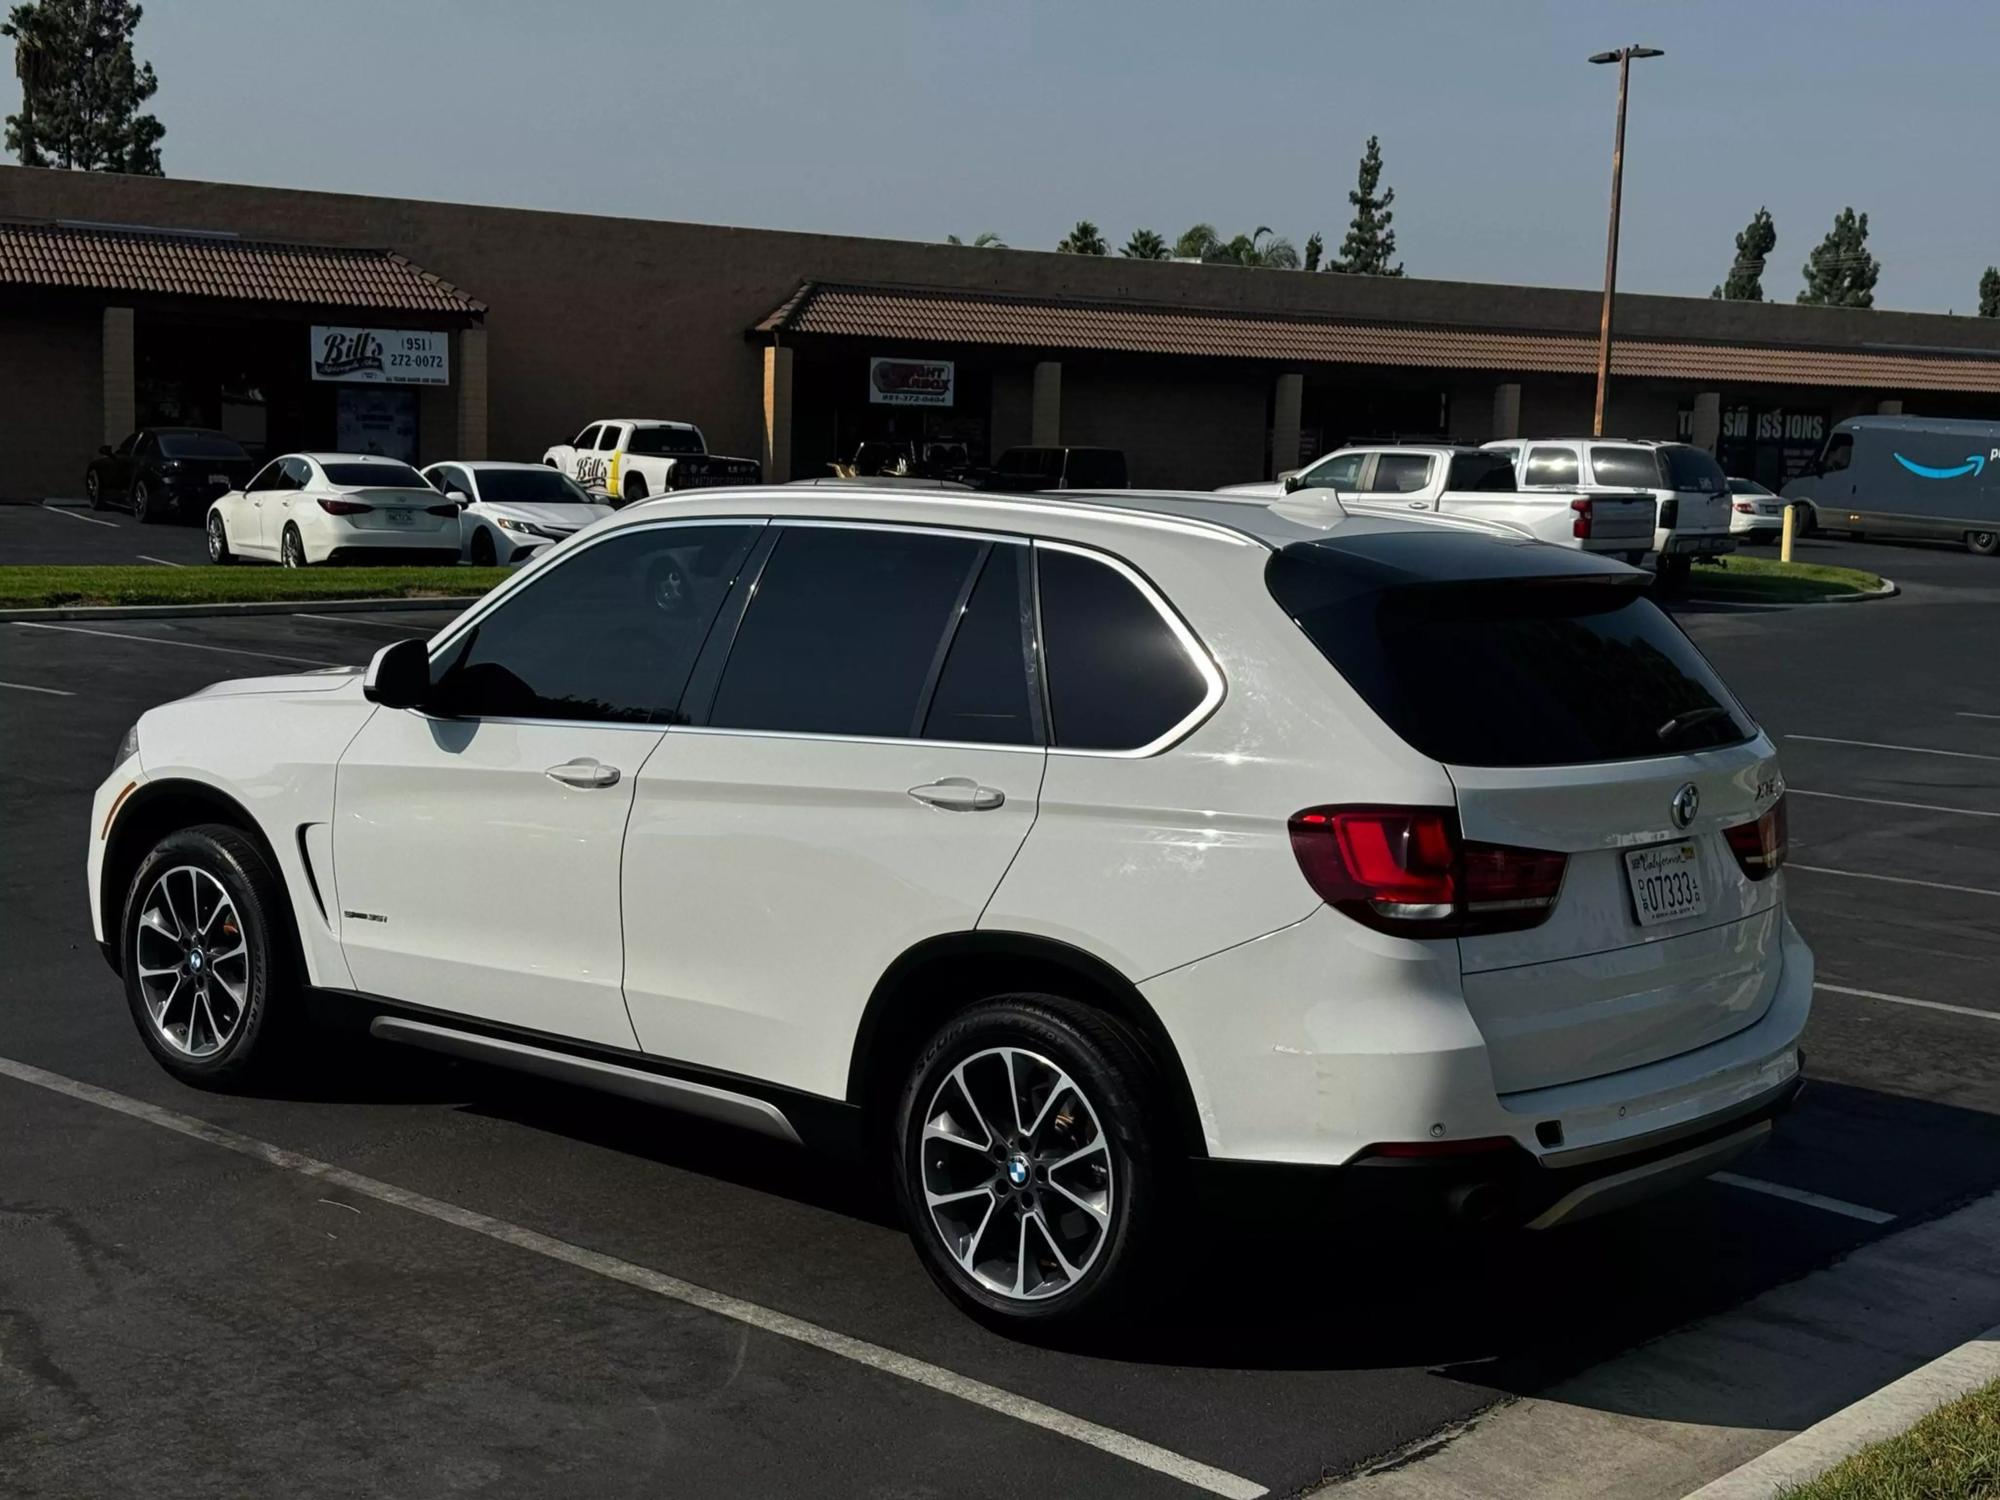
(1075, 859)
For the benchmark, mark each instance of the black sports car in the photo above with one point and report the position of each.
(167, 471)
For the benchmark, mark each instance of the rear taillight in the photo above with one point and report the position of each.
(1670, 514)
(1406, 870)
(449, 512)
(1759, 847)
(1580, 527)
(345, 507)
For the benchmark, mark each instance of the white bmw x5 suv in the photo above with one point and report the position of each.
(1076, 859)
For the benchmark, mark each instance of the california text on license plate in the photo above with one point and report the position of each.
(1666, 883)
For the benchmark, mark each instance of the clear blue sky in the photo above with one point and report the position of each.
(914, 118)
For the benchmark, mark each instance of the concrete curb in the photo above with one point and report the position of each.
(1889, 1412)
(225, 611)
(1890, 588)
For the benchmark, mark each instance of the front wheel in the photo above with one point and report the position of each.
(483, 555)
(292, 548)
(93, 489)
(143, 510)
(1982, 543)
(218, 540)
(1025, 1162)
(206, 955)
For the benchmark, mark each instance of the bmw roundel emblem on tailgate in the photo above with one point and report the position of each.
(1686, 801)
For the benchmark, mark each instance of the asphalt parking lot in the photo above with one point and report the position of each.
(193, 1316)
(69, 531)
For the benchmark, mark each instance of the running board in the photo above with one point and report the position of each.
(704, 1100)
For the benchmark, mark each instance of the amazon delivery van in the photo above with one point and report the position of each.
(1928, 477)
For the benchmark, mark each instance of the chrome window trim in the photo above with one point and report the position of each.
(848, 739)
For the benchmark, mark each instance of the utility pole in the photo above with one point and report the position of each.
(1623, 57)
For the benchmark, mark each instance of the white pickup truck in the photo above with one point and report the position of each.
(1454, 480)
(1686, 483)
(626, 459)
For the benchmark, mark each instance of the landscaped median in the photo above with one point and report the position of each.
(39, 586)
(1765, 580)
(1952, 1453)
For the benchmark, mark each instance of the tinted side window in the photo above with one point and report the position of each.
(983, 693)
(1485, 472)
(842, 632)
(1839, 453)
(1689, 468)
(609, 635)
(1117, 676)
(1636, 468)
(585, 440)
(270, 477)
(1341, 472)
(1400, 474)
(608, 436)
(1551, 466)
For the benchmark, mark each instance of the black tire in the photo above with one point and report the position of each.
(1805, 523)
(1121, 1110)
(482, 549)
(93, 489)
(143, 509)
(1982, 543)
(218, 540)
(632, 489)
(267, 970)
(1673, 572)
(292, 548)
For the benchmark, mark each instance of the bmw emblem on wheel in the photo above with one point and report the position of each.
(1686, 801)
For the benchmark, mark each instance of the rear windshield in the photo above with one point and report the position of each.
(1481, 471)
(543, 485)
(1095, 469)
(390, 476)
(1692, 469)
(1746, 487)
(201, 445)
(1524, 672)
(1627, 467)
(655, 441)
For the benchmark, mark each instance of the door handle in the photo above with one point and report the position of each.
(959, 794)
(583, 772)
(1420, 505)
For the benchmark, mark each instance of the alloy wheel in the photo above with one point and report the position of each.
(1017, 1174)
(193, 961)
(291, 550)
(93, 490)
(142, 502)
(218, 543)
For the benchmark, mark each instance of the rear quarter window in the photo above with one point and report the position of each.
(1692, 469)
(1627, 468)
(1555, 466)
(1119, 677)
(1527, 671)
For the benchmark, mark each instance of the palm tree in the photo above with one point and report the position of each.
(1082, 240)
(1197, 243)
(1145, 244)
(1278, 254)
(986, 241)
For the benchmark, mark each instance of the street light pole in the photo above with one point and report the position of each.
(1623, 57)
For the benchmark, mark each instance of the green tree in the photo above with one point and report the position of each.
(1315, 248)
(1275, 254)
(1753, 248)
(1197, 243)
(81, 88)
(1989, 293)
(1841, 272)
(1370, 246)
(1082, 240)
(1145, 244)
(986, 240)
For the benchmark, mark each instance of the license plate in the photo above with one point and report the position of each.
(221, 479)
(1666, 883)
(397, 517)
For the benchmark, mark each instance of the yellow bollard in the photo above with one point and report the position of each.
(1785, 546)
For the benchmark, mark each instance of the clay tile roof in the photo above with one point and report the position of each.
(933, 316)
(110, 258)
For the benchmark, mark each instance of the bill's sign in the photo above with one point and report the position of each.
(381, 356)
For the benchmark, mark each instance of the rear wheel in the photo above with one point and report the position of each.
(292, 548)
(632, 489)
(1673, 572)
(1025, 1161)
(1984, 543)
(482, 548)
(207, 951)
(218, 540)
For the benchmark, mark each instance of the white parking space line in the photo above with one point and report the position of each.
(1827, 739)
(1799, 1195)
(93, 520)
(144, 557)
(1965, 713)
(1967, 812)
(29, 687)
(350, 620)
(1953, 1010)
(1929, 885)
(873, 1356)
(153, 640)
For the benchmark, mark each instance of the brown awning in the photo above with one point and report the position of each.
(113, 258)
(918, 315)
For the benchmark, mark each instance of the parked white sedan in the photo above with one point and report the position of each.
(510, 512)
(306, 508)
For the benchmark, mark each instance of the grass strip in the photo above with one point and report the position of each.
(1952, 1454)
(40, 586)
(1766, 580)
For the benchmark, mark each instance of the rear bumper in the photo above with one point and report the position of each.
(1700, 544)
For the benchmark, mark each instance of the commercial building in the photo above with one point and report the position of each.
(299, 319)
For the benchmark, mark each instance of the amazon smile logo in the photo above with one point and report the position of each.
(1975, 463)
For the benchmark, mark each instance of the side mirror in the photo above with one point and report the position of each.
(1294, 482)
(104, 450)
(399, 676)
(458, 498)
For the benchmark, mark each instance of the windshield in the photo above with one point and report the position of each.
(1747, 487)
(1535, 671)
(655, 441)
(201, 445)
(380, 476)
(538, 486)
